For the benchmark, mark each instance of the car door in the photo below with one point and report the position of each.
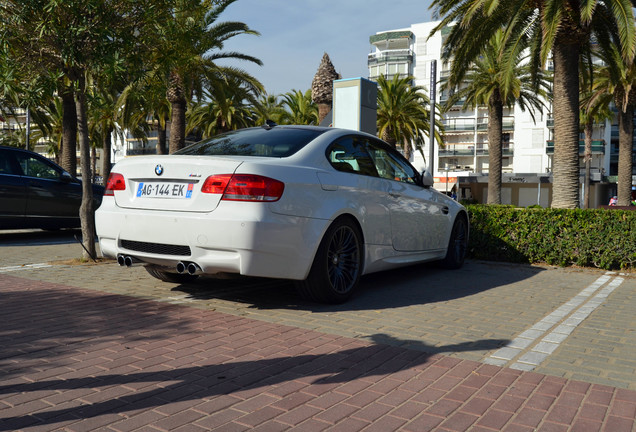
(361, 186)
(419, 222)
(13, 195)
(51, 193)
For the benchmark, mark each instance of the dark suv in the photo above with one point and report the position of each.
(37, 193)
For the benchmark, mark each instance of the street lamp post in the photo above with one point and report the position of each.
(432, 90)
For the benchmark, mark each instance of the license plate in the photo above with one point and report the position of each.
(164, 190)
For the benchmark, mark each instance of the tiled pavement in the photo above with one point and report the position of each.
(78, 352)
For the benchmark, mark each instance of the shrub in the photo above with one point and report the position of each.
(604, 239)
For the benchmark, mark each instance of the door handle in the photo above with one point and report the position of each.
(394, 195)
(445, 210)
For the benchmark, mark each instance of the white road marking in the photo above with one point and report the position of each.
(530, 349)
(23, 267)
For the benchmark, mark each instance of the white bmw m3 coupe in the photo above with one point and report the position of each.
(320, 206)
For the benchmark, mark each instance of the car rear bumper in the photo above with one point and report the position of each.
(232, 239)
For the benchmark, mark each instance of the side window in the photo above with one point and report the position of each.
(349, 154)
(391, 166)
(6, 163)
(33, 167)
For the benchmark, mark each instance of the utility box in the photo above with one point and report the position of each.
(355, 104)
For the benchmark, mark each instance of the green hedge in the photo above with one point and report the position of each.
(604, 239)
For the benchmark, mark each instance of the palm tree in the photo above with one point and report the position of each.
(299, 108)
(51, 131)
(403, 116)
(191, 43)
(556, 27)
(593, 110)
(322, 86)
(229, 106)
(21, 90)
(616, 81)
(268, 107)
(144, 103)
(498, 78)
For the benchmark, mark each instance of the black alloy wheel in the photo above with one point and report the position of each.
(337, 267)
(457, 245)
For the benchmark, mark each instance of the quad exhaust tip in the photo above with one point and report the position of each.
(188, 267)
(127, 260)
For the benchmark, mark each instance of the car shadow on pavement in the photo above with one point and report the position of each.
(140, 391)
(37, 237)
(407, 286)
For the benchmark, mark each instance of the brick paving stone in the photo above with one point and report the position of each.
(311, 425)
(585, 425)
(529, 417)
(372, 412)
(459, 422)
(424, 422)
(495, 419)
(137, 421)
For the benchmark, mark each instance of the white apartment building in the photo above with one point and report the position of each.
(463, 159)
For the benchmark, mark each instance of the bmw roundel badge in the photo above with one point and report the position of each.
(158, 170)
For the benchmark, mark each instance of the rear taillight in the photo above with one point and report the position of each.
(244, 187)
(115, 182)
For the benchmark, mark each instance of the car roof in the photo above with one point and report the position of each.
(5, 147)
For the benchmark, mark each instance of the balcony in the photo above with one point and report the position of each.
(459, 125)
(402, 55)
(9, 127)
(466, 125)
(392, 40)
(444, 95)
(598, 147)
(455, 150)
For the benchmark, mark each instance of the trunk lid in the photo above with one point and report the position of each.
(170, 182)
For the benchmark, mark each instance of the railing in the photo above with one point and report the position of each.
(598, 147)
(468, 124)
(469, 150)
(9, 126)
(459, 125)
(445, 95)
(381, 56)
(507, 123)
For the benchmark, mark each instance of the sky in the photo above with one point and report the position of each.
(296, 33)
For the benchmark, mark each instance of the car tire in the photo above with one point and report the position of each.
(457, 245)
(170, 277)
(335, 272)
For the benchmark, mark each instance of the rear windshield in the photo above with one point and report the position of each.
(274, 142)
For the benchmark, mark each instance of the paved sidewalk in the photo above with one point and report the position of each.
(75, 359)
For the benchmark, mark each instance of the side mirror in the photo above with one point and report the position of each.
(427, 179)
(66, 177)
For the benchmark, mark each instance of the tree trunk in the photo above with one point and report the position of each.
(565, 169)
(408, 149)
(387, 136)
(93, 160)
(177, 126)
(106, 161)
(69, 132)
(495, 129)
(323, 110)
(176, 97)
(588, 162)
(87, 211)
(161, 138)
(625, 148)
